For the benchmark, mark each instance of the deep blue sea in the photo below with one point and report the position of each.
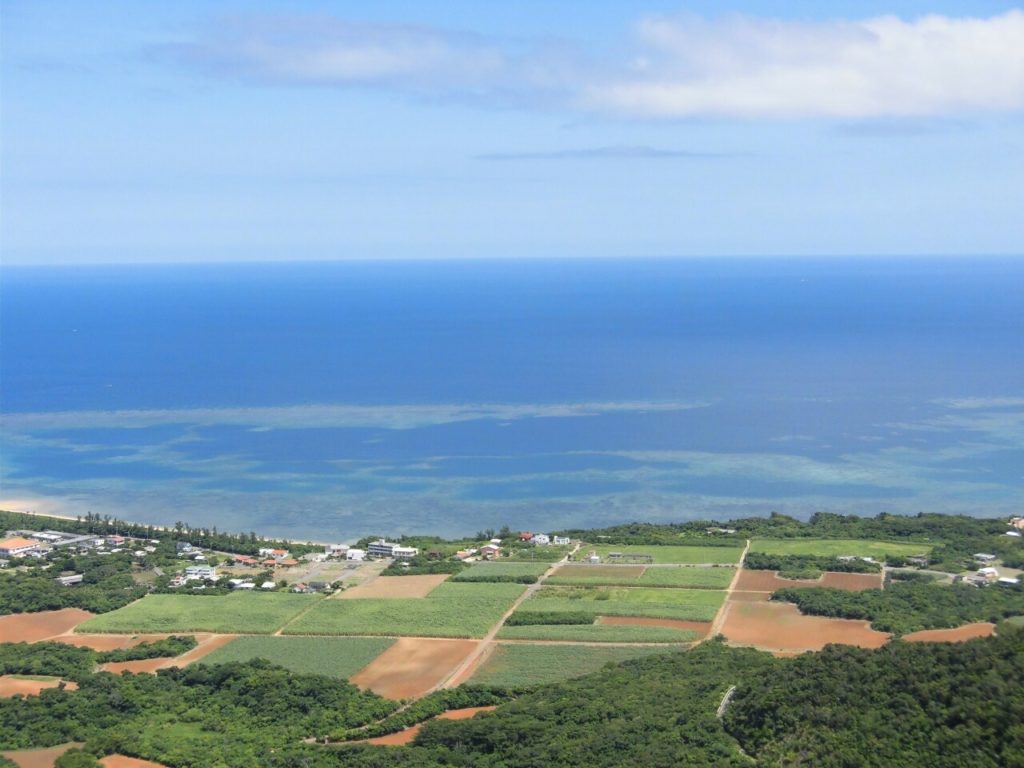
(329, 401)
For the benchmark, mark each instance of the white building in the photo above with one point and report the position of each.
(17, 547)
(562, 541)
(541, 538)
(984, 557)
(357, 555)
(336, 550)
(194, 572)
(382, 548)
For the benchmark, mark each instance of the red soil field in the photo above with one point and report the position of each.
(38, 758)
(11, 686)
(781, 626)
(207, 644)
(750, 597)
(141, 665)
(769, 581)
(395, 586)
(123, 761)
(604, 571)
(405, 737)
(412, 666)
(33, 627)
(955, 635)
(700, 627)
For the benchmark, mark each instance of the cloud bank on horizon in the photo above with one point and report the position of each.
(738, 67)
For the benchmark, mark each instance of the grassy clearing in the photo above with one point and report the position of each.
(837, 547)
(501, 569)
(696, 578)
(245, 613)
(451, 610)
(598, 633)
(671, 555)
(520, 664)
(339, 657)
(656, 602)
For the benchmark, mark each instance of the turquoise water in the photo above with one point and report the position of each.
(335, 400)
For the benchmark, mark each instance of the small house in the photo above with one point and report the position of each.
(525, 536)
(562, 541)
(984, 557)
(356, 555)
(541, 539)
(267, 585)
(17, 547)
(489, 550)
(1007, 581)
(67, 581)
(496, 542)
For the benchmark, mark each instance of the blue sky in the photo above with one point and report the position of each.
(190, 131)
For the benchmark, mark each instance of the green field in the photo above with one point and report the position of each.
(245, 613)
(598, 633)
(339, 657)
(654, 602)
(837, 547)
(683, 576)
(669, 555)
(485, 570)
(451, 610)
(520, 664)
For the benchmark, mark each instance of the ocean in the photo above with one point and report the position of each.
(335, 400)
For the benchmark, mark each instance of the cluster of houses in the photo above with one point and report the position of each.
(378, 548)
(39, 545)
(543, 539)
(988, 573)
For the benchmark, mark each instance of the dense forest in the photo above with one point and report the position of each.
(930, 705)
(107, 585)
(74, 663)
(907, 606)
(806, 566)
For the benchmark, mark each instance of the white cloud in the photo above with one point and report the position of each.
(879, 67)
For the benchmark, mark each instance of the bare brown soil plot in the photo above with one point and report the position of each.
(33, 627)
(955, 635)
(781, 626)
(405, 737)
(123, 761)
(700, 627)
(769, 581)
(395, 586)
(208, 643)
(12, 686)
(38, 758)
(854, 582)
(106, 642)
(412, 666)
(580, 570)
(750, 597)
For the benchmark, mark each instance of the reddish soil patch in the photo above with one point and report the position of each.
(781, 626)
(38, 758)
(107, 642)
(955, 635)
(700, 627)
(33, 627)
(123, 761)
(750, 597)
(207, 644)
(12, 686)
(581, 570)
(405, 737)
(395, 586)
(769, 581)
(136, 667)
(412, 666)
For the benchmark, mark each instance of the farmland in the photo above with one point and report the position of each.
(339, 657)
(672, 555)
(244, 613)
(485, 571)
(598, 633)
(655, 602)
(837, 547)
(521, 664)
(628, 575)
(451, 610)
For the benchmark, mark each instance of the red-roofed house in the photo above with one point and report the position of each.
(17, 546)
(525, 536)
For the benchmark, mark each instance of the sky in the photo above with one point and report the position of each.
(142, 131)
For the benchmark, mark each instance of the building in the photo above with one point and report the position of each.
(355, 555)
(489, 550)
(1007, 581)
(382, 548)
(287, 562)
(252, 562)
(525, 536)
(336, 550)
(984, 557)
(989, 574)
(267, 585)
(541, 538)
(1017, 522)
(17, 547)
(562, 541)
(183, 548)
(67, 581)
(197, 572)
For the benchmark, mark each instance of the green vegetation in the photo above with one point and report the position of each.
(73, 662)
(913, 705)
(598, 633)
(422, 565)
(76, 758)
(520, 665)
(522, 573)
(339, 657)
(672, 555)
(451, 610)
(907, 606)
(106, 585)
(533, 618)
(831, 548)
(655, 602)
(806, 566)
(250, 613)
(683, 576)
(539, 554)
